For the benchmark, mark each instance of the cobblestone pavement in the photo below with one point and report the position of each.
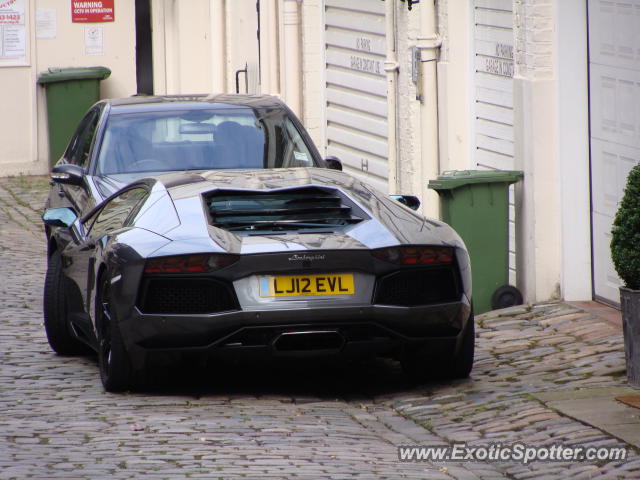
(303, 421)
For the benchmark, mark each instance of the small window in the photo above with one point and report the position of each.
(116, 212)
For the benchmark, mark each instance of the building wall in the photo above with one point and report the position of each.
(199, 44)
(411, 176)
(550, 135)
(312, 116)
(455, 84)
(23, 127)
(548, 91)
(573, 149)
(535, 136)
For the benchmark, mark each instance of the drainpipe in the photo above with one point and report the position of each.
(391, 67)
(291, 54)
(428, 44)
(218, 46)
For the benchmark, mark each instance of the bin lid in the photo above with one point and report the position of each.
(54, 75)
(458, 178)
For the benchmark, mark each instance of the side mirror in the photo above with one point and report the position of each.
(59, 217)
(333, 163)
(410, 201)
(67, 173)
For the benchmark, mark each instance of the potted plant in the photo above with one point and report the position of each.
(625, 253)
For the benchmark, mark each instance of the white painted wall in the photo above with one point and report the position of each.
(410, 170)
(23, 128)
(313, 80)
(539, 259)
(242, 44)
(573, 148)
(198, 45)
(455, 84)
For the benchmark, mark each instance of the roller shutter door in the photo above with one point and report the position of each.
(614, 71)
(356, 90)
(493, 96)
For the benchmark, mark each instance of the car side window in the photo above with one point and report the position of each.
(116, 212)
(80, 145)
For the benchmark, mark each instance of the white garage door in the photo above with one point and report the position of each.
(493, 101)
(614, 63)
(356, 90)
(494, 83)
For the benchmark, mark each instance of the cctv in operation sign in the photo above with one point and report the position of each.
(92, 11)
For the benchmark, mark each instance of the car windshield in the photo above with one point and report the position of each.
(201, 139)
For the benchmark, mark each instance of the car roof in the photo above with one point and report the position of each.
(144, 103)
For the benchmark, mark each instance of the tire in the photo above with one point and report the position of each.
(56, 321)
(113, 359)
(420, 366)
(462, 361)
(506, 296)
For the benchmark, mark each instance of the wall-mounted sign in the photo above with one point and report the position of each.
(13, 42)
(92, 11)
(94, 40)
(46, 23)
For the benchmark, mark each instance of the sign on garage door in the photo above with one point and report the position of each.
(614, 70)
(493, 124)
(356, 91)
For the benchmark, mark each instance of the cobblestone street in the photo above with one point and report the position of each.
(305, 421)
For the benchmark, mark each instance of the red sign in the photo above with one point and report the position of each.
(92, 11)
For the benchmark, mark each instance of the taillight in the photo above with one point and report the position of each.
(201, 263)
(415, 255)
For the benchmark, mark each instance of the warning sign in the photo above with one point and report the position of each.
(92, 11)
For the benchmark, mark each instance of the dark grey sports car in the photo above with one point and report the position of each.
(253, 246)
(288, 262)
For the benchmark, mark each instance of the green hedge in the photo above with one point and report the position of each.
(625, 241)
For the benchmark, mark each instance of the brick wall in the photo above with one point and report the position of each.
(534, 33)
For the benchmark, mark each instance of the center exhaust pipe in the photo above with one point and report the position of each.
(311, 342)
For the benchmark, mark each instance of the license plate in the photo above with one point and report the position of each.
(307, 285)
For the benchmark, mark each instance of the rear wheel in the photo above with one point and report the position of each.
(113, 359)
(56, 321)
(462, 361)
(421, 366)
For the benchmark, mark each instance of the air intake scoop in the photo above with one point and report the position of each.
(284, 210)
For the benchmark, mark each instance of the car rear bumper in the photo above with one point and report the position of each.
(338, 331)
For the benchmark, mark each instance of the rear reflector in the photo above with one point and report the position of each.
(415, 255)
(201, 263)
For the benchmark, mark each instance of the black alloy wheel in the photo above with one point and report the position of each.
(54, 305)
(420, 366)
(113, 359)
(462, 361)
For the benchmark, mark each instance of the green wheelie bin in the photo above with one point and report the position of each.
(476, 204)
(70, 93)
